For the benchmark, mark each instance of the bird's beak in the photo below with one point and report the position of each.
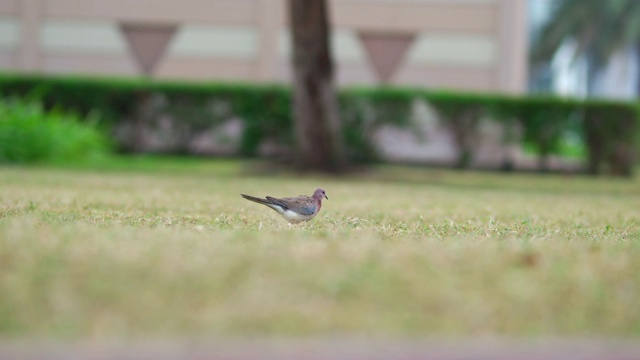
(326, 197)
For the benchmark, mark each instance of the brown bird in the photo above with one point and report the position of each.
(294, 209)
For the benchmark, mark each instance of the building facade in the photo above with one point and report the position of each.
(458, 44)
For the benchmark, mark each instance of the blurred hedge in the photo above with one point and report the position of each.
(608, 129)
(30, 134)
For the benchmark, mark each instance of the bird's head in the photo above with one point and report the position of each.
(319, 194)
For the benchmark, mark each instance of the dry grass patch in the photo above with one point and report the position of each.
(403, 251)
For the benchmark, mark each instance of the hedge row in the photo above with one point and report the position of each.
(608, 129)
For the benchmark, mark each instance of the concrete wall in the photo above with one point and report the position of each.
(458, 44)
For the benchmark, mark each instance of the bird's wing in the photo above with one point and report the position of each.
(303, 205)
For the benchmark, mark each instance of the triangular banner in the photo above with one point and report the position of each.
(148, 43)
(386, 51)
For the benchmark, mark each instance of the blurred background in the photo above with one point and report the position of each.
(461, 44)
(458, 54)
(465, 45)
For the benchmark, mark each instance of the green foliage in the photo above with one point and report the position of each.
(607, 129)
(599, 29)
(545, 123)
(266, 112)
(29, 134)
(462, 114)
(611, 133)
(363, 111)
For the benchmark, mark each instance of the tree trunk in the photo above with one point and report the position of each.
(464, 127)
(315, 108)
(138, 138)
(592, 71)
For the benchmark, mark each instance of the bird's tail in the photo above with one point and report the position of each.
(255, 199)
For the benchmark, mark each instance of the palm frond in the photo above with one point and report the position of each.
(598, 28)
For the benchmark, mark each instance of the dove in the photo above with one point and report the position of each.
(294, 209)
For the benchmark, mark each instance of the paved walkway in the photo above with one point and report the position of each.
(325, 349)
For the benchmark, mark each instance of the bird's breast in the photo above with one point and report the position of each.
(294, 217)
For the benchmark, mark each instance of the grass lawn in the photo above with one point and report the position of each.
(164, 248)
